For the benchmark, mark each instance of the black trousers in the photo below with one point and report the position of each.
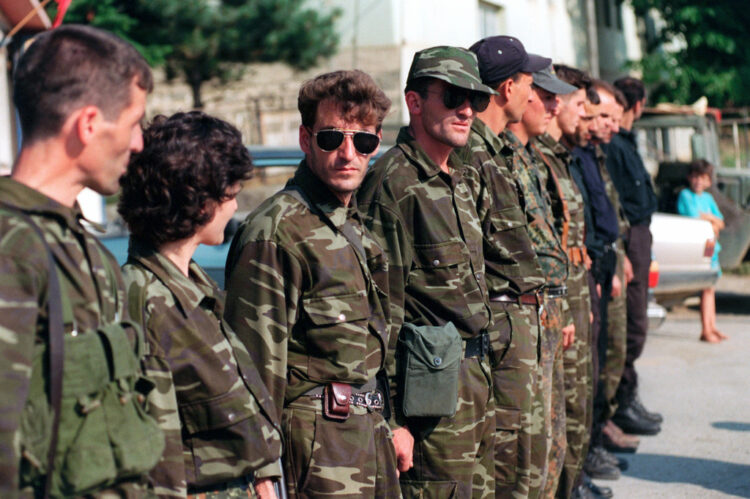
(639, 252)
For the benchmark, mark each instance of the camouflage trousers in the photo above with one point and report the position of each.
(244, 491)
(553, 385)
(617, 324)
(453, 457)
(514, 369)
(324, 458)
(579, 394)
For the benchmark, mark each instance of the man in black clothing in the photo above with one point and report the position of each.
(638, 200)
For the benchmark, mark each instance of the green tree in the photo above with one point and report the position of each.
(711, 53)
(199, 40)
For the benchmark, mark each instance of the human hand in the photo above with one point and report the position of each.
(629, 274)
(568, 336)
(264, 488)
(403, 442)
(616, 287)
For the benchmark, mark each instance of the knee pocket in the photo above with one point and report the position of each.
(507, 427)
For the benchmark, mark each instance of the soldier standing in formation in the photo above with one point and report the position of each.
(308, 295)
(420, 208)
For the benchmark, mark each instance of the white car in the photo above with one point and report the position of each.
(682, 248)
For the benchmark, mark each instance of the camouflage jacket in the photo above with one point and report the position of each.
(216, 415)
(93, 289)
(307, 306)
(510, 260)
(559, 158)
(614, 198)
(537, 205)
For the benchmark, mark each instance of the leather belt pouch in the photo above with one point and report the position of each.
(336, 397)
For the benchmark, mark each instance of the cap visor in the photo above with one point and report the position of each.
(536, 63)
(555, 86)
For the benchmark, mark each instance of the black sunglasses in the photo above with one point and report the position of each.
(455, 96)
(330, 140)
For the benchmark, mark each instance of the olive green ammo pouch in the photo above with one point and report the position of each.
(84, 426)
(430, 357)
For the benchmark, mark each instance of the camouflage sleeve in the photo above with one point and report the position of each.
(20, 289)
(167, 478)
(386, 227)
(263, 290)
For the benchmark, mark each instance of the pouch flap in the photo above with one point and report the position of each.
(216, 413)
(337, 309)
(123, 359)
(435, 346)
(86, 364)
(507, 418)
(440, 255)
(506, 219)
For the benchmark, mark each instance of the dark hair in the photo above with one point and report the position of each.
(357, 94)
(593, 96)
(70, 67)
(700, 167)
(515, 77)
(633, 90)
(620, 99)
(419, 85)
(188, 160)
(604, 85)
(572, 76)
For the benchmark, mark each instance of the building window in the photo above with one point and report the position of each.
(490, 19)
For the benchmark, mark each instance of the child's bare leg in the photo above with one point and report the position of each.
(716, 332)
(708, 317)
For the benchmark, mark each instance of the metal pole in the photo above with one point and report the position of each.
(591, 31)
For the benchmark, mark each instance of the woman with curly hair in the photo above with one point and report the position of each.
(220, 425)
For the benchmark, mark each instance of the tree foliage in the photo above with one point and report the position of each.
(711, 53)
(199, 40)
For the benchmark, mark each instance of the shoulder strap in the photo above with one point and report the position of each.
(346, 228)
(54, 303)
(566, 212)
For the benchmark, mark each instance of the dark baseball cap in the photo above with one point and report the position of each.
(454, 65)
(548, 80)
(500, 57)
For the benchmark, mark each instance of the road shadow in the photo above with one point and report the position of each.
(731, 425)
(720, 476)
(729, 303)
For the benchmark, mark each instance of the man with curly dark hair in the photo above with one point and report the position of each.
(178, 193)
(308, 295)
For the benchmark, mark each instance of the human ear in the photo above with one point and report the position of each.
(304, 139)
(413, 102)
(85, 123)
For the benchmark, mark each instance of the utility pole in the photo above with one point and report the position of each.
(591, 32)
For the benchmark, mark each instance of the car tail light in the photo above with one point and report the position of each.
(653, 274)
(708, 250)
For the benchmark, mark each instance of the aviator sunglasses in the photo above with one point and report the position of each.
(330, 140)
(455, 96)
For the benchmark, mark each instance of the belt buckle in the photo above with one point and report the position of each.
(485, 344)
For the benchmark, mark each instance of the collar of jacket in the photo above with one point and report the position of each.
(517, 147)
(627, 135)
(34, 202)
(188, 292)
(318, 193)
(493, 141)
(557, 148)
(416, 155)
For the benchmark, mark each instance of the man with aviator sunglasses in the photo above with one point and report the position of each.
(419, 207)
(308, 295)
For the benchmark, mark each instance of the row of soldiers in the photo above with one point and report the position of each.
(435, 324)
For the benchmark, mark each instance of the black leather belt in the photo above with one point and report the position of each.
(556, 291)
(524, 299)
(477, 346)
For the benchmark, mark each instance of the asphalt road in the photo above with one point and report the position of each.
(703, 450)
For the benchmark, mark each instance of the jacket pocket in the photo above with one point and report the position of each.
(335, 321)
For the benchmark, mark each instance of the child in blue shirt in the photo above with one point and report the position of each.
(696, 202)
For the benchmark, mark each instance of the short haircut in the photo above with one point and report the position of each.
(70, 67)
(606, 86)
(700, 167)
(188, 161)
(356, 93)
(572, 76)
(620, 99)
(419, 85)
(633, 89)
(593, 96)
(515, 77)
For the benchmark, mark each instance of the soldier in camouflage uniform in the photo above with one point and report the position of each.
(559, 328)
(308, 296)
(576, 358)
(80, 94)
(179, 192)
(513, 275)
(420, 208)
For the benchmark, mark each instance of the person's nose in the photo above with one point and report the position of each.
(465, 110)
(136, 141)
(347, 149)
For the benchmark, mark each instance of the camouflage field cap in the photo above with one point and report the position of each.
(455, 65)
